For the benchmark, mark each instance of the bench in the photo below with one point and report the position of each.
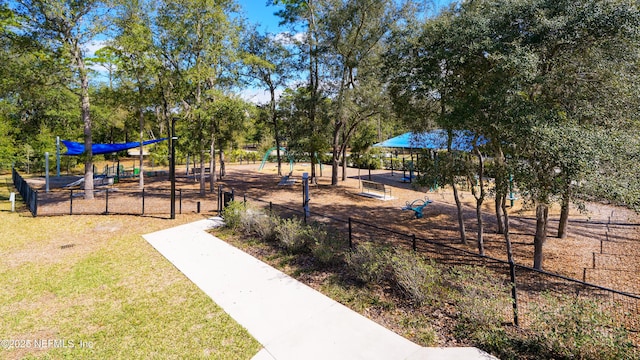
(196, 170)
(371, 186)
(417, 206)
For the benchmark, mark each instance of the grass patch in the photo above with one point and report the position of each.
(111, 290)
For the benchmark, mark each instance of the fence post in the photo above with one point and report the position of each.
(71, 202)
(413, 242)
(350, 234)
(180, 197)
(514, 292)
(270, 206)
(35, 203)
(106, 201)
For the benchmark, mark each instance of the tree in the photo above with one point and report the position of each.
(134, 47)
(271, 64)
(353, 34)
(308, 12)
(65, 27)
(199, 43)
(530, 77)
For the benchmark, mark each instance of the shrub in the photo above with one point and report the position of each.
(249, 218)
(416, 279)
(483, 299)
(265, 227)
(370, 263)
(233, 214)
(576, 328)
(327, 248)
(294, 235)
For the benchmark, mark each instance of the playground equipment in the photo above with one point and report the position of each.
(266, 157)
(416, 206)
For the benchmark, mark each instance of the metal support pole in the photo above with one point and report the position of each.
(46, 171)
(71, 203)
(172, 167)
(143, 194)
(106, 202)
(180, 194)
(57, 156)
(305, 198)
(514, 292)
(414, 245)
(511, 189)
(350, 235)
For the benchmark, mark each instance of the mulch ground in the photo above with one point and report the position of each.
(602, 246)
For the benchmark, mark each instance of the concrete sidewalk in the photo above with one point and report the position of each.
(289, 319)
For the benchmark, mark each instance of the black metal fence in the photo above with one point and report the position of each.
(29, 195)
(528, 289)
(150, 201)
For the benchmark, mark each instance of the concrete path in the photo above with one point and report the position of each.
(290, 319)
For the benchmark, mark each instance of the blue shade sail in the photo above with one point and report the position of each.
(76, 148)
(434, 140)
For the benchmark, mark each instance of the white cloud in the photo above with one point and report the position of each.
(258, 96)
(285, 38)
(93, 46)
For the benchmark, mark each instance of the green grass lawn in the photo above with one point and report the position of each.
(95, 285)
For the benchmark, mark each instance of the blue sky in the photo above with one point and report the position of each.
(258, 12)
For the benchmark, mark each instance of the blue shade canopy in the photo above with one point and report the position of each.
(76, 148)
(434, 140)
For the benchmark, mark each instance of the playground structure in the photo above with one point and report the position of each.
(417, 206)
(268, 153)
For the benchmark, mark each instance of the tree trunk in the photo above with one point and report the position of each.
(507, 238)
(202, 177)
(479, 200)
(212, 164)
(141, 173)
(86, 119)
(499, 213)
(223, 170)
(274, 121)
(480, 227)
(344, 163)
(542, 216)
(564, 216)
(463, 234)
(335, 155)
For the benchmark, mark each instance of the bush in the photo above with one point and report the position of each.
(482, 299)
(416, 279)
(294, 235)
(328, 248)
(250, 218)
(576, 328)
(397, 164)
(265, 227)
(233, 214)
(370, 263)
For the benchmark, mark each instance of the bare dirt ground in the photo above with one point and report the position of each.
(602, 246)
